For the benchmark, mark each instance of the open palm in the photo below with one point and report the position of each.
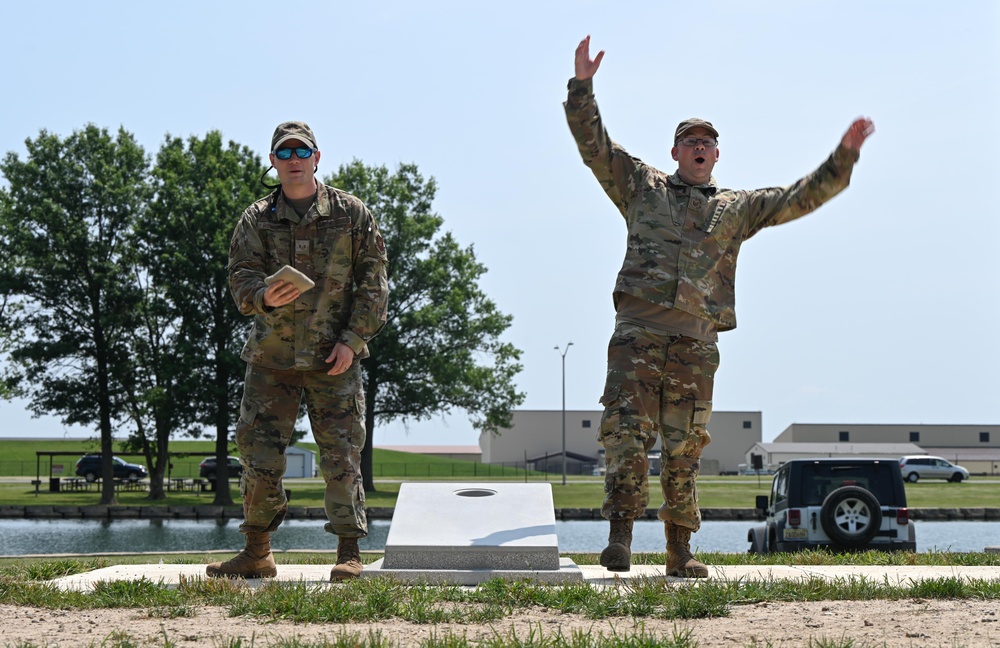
(586, 67)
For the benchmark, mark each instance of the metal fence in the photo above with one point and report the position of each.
(27, 468)
(509, 469)
(379, 470)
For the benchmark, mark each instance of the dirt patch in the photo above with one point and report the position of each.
(914, 622)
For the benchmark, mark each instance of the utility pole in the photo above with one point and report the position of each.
(564, 352)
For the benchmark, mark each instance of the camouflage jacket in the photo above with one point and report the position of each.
(337, 244)
(682, 239)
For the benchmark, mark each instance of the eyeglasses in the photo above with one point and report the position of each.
(301, 152)
(693, 141)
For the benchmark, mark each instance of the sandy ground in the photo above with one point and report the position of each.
(914, 622)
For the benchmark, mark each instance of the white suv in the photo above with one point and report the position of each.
(923, 467)
(840, 504)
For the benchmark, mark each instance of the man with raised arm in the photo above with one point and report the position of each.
(674, 293)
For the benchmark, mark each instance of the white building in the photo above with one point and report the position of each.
(774, 454)
(938, 436)
(976, 447)
(300, 461)
(536, 436)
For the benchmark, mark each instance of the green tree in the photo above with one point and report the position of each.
(66, 218)
(441, 348)
(201, 189)
(11, 286)
(151, 381)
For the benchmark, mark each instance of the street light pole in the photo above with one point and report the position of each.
(565, 351)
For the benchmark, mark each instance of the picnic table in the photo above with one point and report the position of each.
(76, 484)
(129, 485)
(181, 484)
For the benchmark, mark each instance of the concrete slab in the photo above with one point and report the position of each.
(473, 526)
(568, 572)
(170, 576)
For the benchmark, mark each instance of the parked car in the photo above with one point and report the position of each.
(207, 468)
(841, 504)
(923, 467)
(89, 467)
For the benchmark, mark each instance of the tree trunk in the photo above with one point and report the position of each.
(371, 390)
(160, 465)
(223, 496)
(108, 497)
(156, 491)
(222, 376)
(155, 461)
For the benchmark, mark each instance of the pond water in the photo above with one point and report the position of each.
(19, 537)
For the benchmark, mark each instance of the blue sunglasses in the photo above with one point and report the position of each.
(301, 152)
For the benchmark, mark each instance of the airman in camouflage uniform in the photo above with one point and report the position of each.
(674, 293)
(304, 345)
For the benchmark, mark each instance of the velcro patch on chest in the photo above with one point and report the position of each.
(717, 215)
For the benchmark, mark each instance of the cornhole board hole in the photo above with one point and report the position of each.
(468, 533)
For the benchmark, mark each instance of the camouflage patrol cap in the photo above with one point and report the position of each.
(691, 124)
(293, 130)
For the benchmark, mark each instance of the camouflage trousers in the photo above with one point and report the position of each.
(336, 409)
(656, 384)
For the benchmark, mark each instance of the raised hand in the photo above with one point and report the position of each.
(585, 67)
(857, 134)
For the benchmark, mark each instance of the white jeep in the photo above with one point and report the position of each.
(838, 504)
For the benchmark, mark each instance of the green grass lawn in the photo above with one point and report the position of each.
(19, 458)
(714, 492)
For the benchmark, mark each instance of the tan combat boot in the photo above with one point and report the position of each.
(617, 556)
(348, 560)
(680, 562)
(255, 561)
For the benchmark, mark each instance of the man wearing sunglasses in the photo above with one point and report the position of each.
(674, 293)
(306, 343)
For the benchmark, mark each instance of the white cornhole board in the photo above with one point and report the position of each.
(467, 533)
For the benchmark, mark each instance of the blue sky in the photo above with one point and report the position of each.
(879, 308)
